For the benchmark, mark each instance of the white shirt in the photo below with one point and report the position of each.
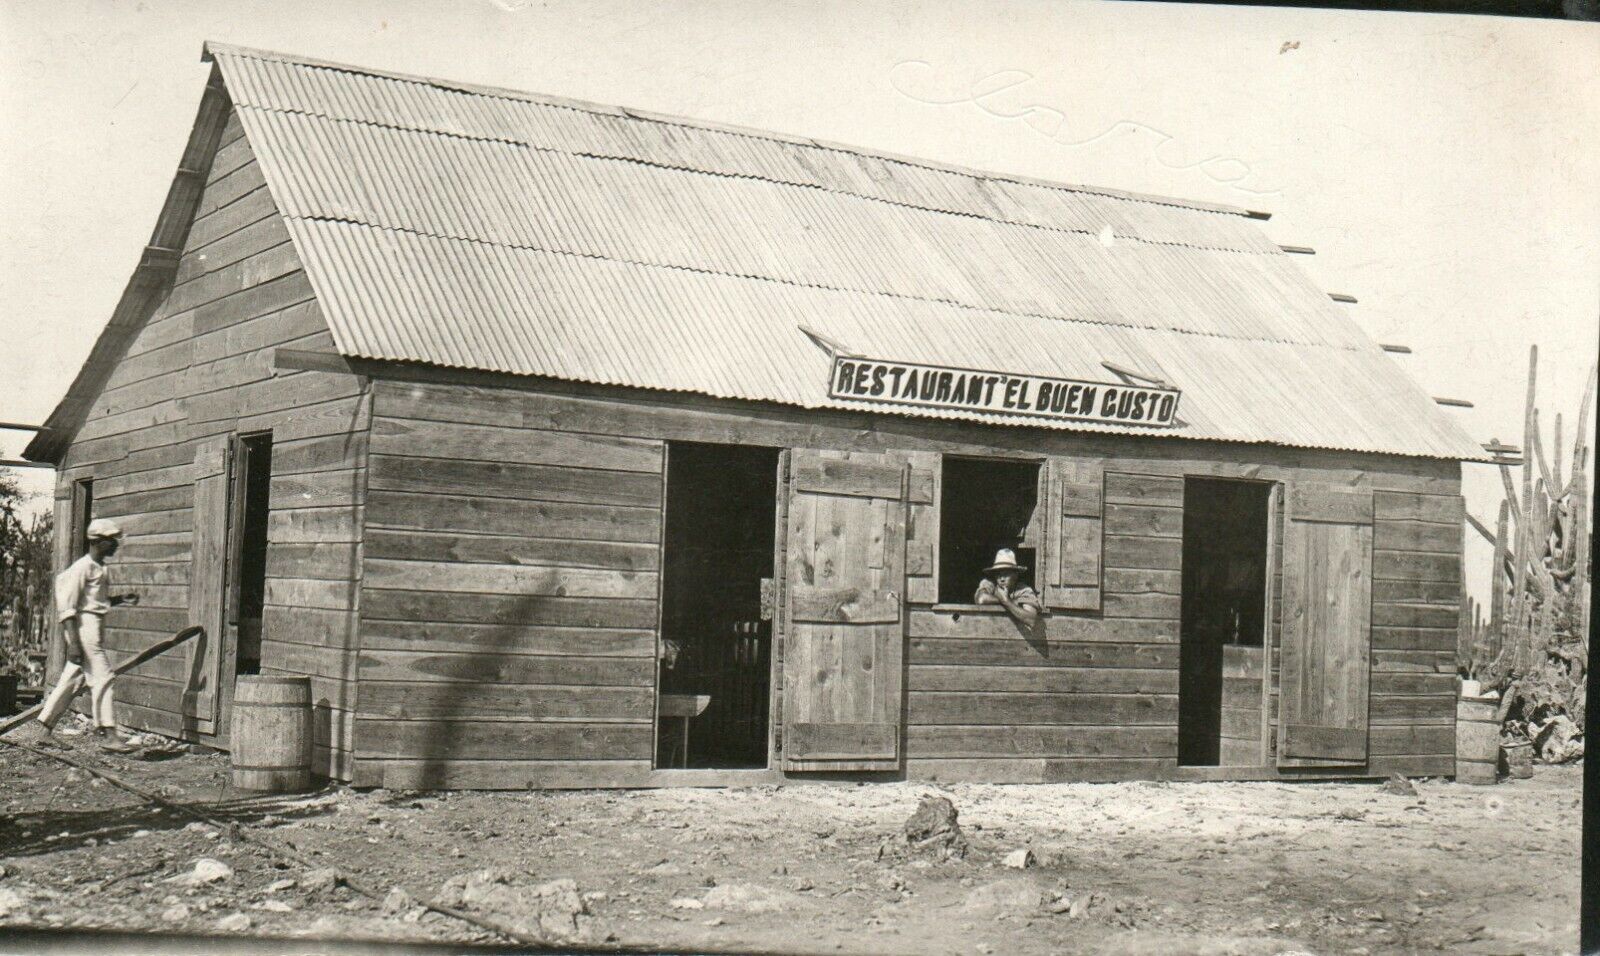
(83, 588)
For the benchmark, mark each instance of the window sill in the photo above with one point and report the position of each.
(988, 610)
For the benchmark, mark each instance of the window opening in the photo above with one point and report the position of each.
(986, 505)
(82, 514)
(255, 458)
(1221, 659)
(717, 550)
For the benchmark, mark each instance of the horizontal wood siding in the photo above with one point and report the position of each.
(482, 604)
(202, 367)
(509, 603)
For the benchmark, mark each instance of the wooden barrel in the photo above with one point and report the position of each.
(1477, 740)
(271, 734)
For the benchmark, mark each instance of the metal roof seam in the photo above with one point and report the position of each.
(810, 285)
(1130, 237)
(645, 116)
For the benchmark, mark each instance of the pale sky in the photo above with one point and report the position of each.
(1444, 167)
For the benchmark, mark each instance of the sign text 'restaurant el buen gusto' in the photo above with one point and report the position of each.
(934, 386)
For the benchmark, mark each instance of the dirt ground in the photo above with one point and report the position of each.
(1119, 868)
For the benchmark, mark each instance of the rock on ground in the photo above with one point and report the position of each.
(206, 870)
(935, 824)
(550, 910)
(749, 898)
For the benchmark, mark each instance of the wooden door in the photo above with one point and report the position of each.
(845, 636)
(208, 572)
(1327, 627)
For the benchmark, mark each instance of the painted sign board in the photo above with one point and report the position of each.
(1001, 393)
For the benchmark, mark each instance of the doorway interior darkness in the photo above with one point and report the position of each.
(253, 487)
(717, 549)
(1222, 660)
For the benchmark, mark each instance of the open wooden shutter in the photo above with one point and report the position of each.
(844, 640)
(1327, 626)
(208, 574)
(1069, 574)
(69, 505)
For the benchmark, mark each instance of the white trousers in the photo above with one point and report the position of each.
(98, 669)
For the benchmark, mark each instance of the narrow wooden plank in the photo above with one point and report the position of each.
(1413, 638)
(1415, 615)
(526, 446)
(506, 669)
(1143, 581)
(1132, 489)
(865, 479)
(1133, 551)
(508, 579)
(325, 561)
(1314, 502)
(454, 774)
(1052, 679)
(1413, 661)
(983, 625)
(1387, 683)
(323, 453)
(1097, 656)
(434, 637)
(505, 609)
(1417, 536)
(315, 627)
(468, 740)
(1080, 549)
(1443, 509)
(144, 502)
(1412, 739)
(809, 603)
(1333, 743)
(1003, 742)
(927, 707)
(545, 519)
(305, 593)
(1147, 606)
(1419, 707)
(314, 525)
(324, 489)
(512, 480)
(1406, 565)
(1417, 592)
(508, 549)
(430, 700)
(1147, 520)
(1039, 770)
(836, 741)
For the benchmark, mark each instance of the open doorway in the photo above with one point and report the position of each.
(1222, 659)
(247, 591)
(716, 643)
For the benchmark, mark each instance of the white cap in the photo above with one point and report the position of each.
(102, 528)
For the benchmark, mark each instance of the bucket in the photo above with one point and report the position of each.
(1516, 760)
(1477, 740)
(271, 734)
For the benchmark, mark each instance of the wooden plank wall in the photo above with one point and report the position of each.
(202, 368)
(510, 600)
(1092, 698)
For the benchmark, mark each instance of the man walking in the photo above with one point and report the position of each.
(82, 600)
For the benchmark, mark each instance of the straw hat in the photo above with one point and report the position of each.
(1005, 560)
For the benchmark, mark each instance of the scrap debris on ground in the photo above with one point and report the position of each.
(880, 868)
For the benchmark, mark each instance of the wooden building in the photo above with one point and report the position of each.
(564, 445)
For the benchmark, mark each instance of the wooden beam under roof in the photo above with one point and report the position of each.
(1397, 349)
(1298, 250)
(1342, 297)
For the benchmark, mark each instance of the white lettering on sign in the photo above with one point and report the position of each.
(935, 386)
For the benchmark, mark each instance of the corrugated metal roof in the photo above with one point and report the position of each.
(492, 230)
